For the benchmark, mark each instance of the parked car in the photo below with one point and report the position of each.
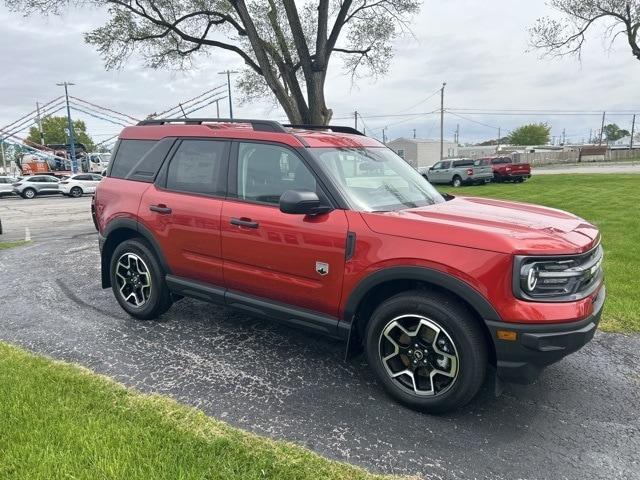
(33, 185)
(326, 229)
(6, 185)
(77, 185)
(457, 172)
(504, 170)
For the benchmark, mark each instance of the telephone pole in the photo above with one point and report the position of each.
(564, 136)
(414, 133)
(228, 74)
(602, 128)
(355, 119)
(218, 108)
(498, 147)
(39, 123)
(457, 133)
(72, 140)
(384, 135)
(442, 121)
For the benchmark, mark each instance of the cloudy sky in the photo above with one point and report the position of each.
(478, 48)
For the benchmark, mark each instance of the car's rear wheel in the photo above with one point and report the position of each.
(29, 193)
(76, 192)
(427, 350)
(137, 280)
(457, 181)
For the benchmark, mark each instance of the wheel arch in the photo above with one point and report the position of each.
(383, 284)
(116, 232)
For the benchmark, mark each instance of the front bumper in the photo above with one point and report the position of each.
(537, 346)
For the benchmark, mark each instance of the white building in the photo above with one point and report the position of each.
(419, 152)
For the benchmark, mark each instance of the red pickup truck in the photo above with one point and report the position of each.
(504, 170)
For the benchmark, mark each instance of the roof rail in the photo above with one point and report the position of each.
(258, 125)
(333, 128)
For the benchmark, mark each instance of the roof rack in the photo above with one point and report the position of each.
(333, 128)
(258, 125)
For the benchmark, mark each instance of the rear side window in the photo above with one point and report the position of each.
(82, 177)
(128, 155)
(197, 167)
(463, 163)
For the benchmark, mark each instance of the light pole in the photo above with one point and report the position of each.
(72, 140)
(228, 74)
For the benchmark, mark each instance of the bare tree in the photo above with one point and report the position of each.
(567, 35)
(286, 45)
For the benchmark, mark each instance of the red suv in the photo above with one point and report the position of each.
(327, 229)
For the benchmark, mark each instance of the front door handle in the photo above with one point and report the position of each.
(244, 222)
(161, 208)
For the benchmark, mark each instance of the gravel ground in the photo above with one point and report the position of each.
(579, 420)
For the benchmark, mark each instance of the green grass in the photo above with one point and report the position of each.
(612, 203)
(61, 421)
(6, 245)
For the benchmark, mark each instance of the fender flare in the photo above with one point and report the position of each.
(429, 275)
(435, 277)
(142, 231)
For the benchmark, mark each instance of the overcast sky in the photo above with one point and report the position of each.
(478, 48)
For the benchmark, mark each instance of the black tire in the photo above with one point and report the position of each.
(29, 193)
(460, 327)
(75, 192)
(456, 181)
(159, 298)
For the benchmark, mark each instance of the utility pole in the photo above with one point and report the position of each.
(228, 74)
(602, 128)
(564, 136)
(355, 119)
(590, 134)
(414, 133)
(218, 108)
(4, 160)
(40, 123)
(182, 109)
(384, 135)
(457, 133)
(442, 121)
(498, 147)
(633, 129)
(72, 140)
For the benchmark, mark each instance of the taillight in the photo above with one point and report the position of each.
(508, 169)
(63, 183)
(469, 171)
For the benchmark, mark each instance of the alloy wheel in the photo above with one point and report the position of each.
(133, 279)
(419, 355)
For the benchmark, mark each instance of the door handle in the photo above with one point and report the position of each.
(244, 222)
(161, 208)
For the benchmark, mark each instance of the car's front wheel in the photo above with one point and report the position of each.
(427, 350)
(29, 193)
(137, 280)
(75, 192)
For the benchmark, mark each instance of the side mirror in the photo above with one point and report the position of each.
(302, 202)
(430, 168)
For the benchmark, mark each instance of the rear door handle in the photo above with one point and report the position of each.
(244, 222)
(163, 209)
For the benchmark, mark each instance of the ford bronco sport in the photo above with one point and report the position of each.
(325, 228)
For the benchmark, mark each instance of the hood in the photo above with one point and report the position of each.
(500, 226)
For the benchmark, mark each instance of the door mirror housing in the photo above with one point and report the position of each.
(302, 202)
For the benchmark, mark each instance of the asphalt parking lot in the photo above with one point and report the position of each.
(579, 420)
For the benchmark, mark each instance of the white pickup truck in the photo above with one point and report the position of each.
(459, 171)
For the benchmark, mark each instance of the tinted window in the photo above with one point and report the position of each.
(265, 172)
(437, 166)
(82, 177)
(128, 154)
(97, 178)
(462, 163)
(35, 179)
(3, 180)
(445, 165)
(196, 167)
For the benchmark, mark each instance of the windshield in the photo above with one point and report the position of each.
(376, 179)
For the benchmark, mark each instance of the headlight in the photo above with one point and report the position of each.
(558, 278)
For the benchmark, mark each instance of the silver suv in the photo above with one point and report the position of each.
(34, 185)
(459, 171)
(6, 185)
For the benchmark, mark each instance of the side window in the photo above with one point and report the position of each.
(445, 165)
(128, 154)
(196, 167)
(401, 153)
(265, 172)
(437, 166)
(82, 177)
(35, 179)
(96, 178)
